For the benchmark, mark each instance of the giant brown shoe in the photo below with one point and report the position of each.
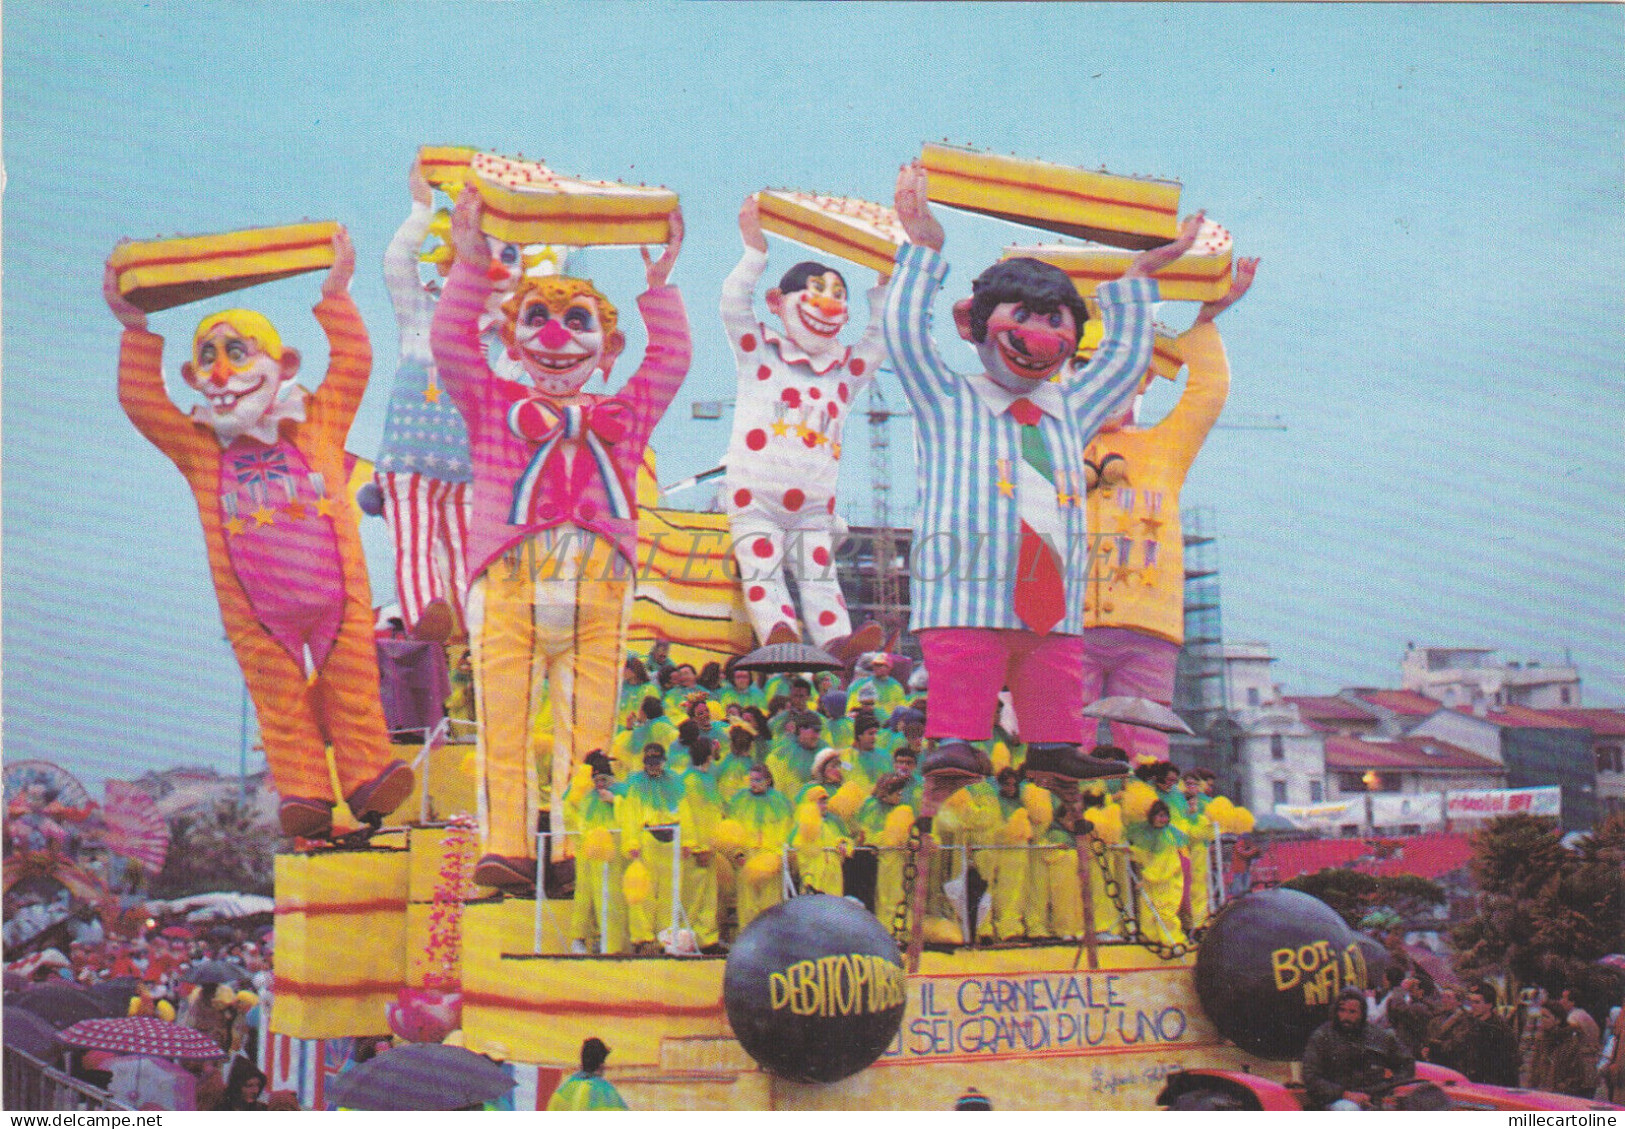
(950, 766)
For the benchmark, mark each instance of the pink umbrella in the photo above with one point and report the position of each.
(141, 1035)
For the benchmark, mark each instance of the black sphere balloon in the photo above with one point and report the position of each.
(815, 989)
(1270, 966)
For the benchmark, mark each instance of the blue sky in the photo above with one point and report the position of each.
(1435, 192)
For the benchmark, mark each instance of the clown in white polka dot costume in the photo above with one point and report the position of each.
(795, 392)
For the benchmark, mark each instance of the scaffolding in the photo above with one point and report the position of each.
(1200, 694)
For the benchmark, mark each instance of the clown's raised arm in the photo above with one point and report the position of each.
(414, 305)
(332, 408)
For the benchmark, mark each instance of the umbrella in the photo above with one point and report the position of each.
(115, 994)
(177, 932)
(1137, 711)
(142, 1035)
(783, 658)
(31, 1034)
(1434, 965)
(420, 1076)
(214, 972)
(61, 1005)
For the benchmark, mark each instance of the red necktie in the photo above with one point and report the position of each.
(1040, 591)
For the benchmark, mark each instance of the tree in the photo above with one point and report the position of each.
(225, 847)
(1353, 893)
(1545, 911)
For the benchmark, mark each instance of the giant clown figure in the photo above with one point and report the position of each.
(553, 543)
(1000, 543)
(794, 393)
(423, 470)
(265, 461)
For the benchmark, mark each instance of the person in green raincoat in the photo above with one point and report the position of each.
(791, 757)
(587, 1088)
(763, 822)
(650, 802)
(869, 761)
(882, 824)
(821, 843)
(1154, 847)
(590, 816)
(699, 814)
(741, 690)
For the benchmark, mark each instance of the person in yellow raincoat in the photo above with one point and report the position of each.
(1002, 859)
(598, 916)
(1054, 902)
(762, 821)
(699, 814)
(1154, 847)
(821, 843)
(869, 762)
(650, 802)
(882, 823)
(1198, 785)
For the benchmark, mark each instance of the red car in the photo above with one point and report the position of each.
(1435, 1087)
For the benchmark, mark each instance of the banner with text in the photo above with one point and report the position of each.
(1323, 817)
(1394, 810)
(1490, 803)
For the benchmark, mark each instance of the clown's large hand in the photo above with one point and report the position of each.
(339, 275)
(750, 224)
(1147, 263)
(466, 236)
(1245, 270)
(128, 315)
(912, 210)
(659, 270)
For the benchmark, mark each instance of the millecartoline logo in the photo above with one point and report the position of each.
(845, 984)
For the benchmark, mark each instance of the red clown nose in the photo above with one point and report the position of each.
(553, 335)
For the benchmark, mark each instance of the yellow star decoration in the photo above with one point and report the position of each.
(817, 436)
(295, 510)
(324, 506)
(1006, 487)
(264, 516)
(1151, 524)
(1122, 574)
(780, 427)
(235, 525)
(431, 394)
(835, 450)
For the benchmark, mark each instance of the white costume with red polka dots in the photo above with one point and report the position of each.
(784, 459)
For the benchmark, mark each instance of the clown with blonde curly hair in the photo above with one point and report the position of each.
(554, 534)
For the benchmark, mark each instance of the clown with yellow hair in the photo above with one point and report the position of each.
(266, 464)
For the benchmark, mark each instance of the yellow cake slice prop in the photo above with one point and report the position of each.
(526, 202)
(159, 274)
(445, 166)
(1124, 211)
(1202, 274)
(858, 231)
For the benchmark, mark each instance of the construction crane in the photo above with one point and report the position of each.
(888, 598)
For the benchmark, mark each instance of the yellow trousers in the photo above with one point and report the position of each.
(700, 897)
(646, 919)
(1201, 865)
(1054, 902)
(1006, 875)
(889, 897)
(549, 616)
(588, 913)
(1107, 917)
(755, 897)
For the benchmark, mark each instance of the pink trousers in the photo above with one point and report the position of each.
(970, 665)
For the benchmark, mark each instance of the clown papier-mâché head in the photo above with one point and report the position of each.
(1025, 318)
(243, 372)
(561, 330)
(811, 301)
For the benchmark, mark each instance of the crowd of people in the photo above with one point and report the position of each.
(748, 786)
(1547, 1040)
(175, 972)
